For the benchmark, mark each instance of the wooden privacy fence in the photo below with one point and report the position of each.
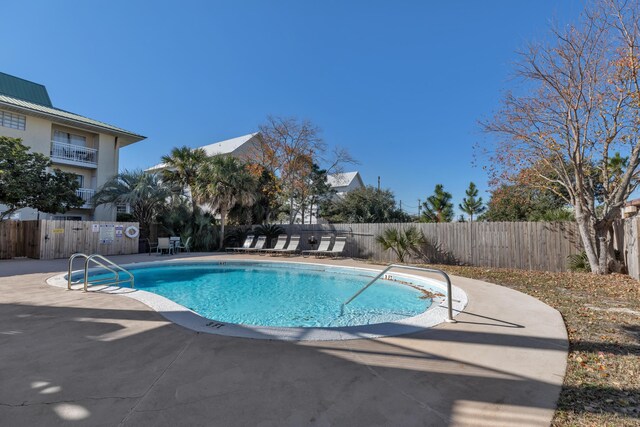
(522, 245)
(17, 239)
(631, 246)
(49, 239)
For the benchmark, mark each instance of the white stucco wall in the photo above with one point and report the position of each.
(38, 135)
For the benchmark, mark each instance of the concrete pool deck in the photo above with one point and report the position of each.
(70, 358)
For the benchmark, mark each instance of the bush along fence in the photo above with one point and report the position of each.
(49, 239)
(521, 245)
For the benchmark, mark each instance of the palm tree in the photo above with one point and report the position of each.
(143, 192)
(470, 204)
(401, 242)
(182, 166)
(438, 207)
(223, 182)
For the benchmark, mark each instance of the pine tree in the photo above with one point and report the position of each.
(472, 204)
(438, 207)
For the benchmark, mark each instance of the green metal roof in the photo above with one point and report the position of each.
(25, 90)
(62, 116)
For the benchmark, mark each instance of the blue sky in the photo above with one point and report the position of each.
(401, 84)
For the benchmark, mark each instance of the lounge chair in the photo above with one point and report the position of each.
(260, 242)
(292, 248)
(336, 250)
(164, 244)
(246, 245)
(280, 244)
(323, 246)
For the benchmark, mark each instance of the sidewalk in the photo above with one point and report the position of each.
(100, 359)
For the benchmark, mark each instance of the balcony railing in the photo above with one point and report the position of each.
(62, 152)
(86, 194)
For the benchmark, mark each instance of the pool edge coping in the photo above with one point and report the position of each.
(182, 316)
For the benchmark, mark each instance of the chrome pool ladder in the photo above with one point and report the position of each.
(104, 263)
(411, 267)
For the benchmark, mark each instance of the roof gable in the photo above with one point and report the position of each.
(25, 90)
(228, 145)
(343, 179)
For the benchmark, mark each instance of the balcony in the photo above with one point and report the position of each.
(86, 194)
(75, 155)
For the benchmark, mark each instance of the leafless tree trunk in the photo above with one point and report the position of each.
(578, 109)
(289, 148)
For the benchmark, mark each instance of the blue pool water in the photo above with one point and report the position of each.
(280, 295)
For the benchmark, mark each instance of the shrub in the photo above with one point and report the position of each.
(206, 236)
(402, 242)
(237, 236)
(124, 217)
(579, 262)
(271, 231)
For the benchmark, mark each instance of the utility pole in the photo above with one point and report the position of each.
(400, 204)
(419, 207)
(378, 182)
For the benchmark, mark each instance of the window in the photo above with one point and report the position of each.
(123, 208)
(66, 218)
(13, 121)
(80, 179)
(69, 138)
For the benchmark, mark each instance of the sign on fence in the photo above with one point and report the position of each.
(107, 234)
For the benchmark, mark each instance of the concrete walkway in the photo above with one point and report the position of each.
(70, 358)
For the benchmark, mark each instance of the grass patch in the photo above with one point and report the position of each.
(602, 314)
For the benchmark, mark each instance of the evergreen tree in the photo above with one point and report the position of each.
(438, 207)
(519, 202)
(363, 205)
(472, 204)
(26, 181)
(321, 191)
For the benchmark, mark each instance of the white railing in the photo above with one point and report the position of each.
(86, 194)
(74, 153)
(411, 267)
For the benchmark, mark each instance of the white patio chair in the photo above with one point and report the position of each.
(164, 244)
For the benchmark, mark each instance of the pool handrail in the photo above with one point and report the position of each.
(71, 258)
(85, 256)
(449, 318)
(96, 259)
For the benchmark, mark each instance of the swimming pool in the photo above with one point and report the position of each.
(285, 300)
(272, 295)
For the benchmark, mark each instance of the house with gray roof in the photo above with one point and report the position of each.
(345, 182)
